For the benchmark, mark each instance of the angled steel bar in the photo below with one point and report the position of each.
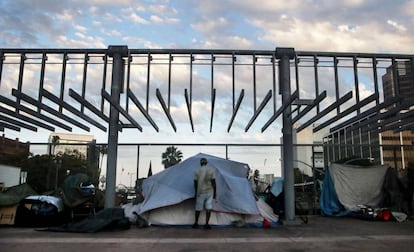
(348, 111)
(188, 102)
(164, 107)
(239, 101)
(71, 109)
(34, 113)
(387, 114)
(126, 126)
(48, 109)
(213, 103)
(372, 111)
(407, 125)
(120, 109)
(331, 107)
(18, 123)
(142, 109)
(294, 96)
(397, 122)
(9, 126)
(26, 118)
(310, 107)
(266, 99)
(88, 105)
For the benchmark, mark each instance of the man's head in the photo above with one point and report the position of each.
(203, 161)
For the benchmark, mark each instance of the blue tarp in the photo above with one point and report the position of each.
(277, 186)
(329, 202)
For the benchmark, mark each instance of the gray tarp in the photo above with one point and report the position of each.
(357, 185)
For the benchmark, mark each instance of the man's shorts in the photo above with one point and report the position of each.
(204, 201)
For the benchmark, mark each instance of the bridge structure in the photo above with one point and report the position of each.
(37, 92)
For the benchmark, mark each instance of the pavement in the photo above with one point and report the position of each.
(319, 234)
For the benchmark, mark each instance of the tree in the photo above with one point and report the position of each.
(103, 150)
(171, 156)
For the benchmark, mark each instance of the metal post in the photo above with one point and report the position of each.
(285, 55)
(116, 52)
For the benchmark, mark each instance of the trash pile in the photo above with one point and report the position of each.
(77, 198)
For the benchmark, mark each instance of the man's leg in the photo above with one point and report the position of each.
(197, 215)
(208, 214)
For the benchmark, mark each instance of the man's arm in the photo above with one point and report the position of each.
(195, 187)
(213, 182)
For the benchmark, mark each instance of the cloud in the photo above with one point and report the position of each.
(158, 20)
(135, 42)
(83, 41)
(326, 36)
(397, 26)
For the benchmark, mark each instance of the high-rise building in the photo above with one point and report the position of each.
(397, 148)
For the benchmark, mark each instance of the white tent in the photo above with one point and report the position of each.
(169, 195)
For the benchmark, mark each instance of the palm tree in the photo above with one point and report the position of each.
(171, 156)
(103, 150)
(55, 141)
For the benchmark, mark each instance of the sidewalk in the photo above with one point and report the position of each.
(320, 234)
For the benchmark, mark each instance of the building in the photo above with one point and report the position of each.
(66, 142)
(10, 148)
(397, 150)
(309, 152)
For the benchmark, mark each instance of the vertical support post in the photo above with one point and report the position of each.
(138, 161)
(285, 55)
(116, 52)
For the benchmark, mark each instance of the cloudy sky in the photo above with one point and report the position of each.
(307, 25)
(343, 25)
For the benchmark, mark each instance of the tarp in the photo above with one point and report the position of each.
(71, 190)
(106, 219)
(14, 194)
(176, 184)
(169, 195)
(347, 187)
